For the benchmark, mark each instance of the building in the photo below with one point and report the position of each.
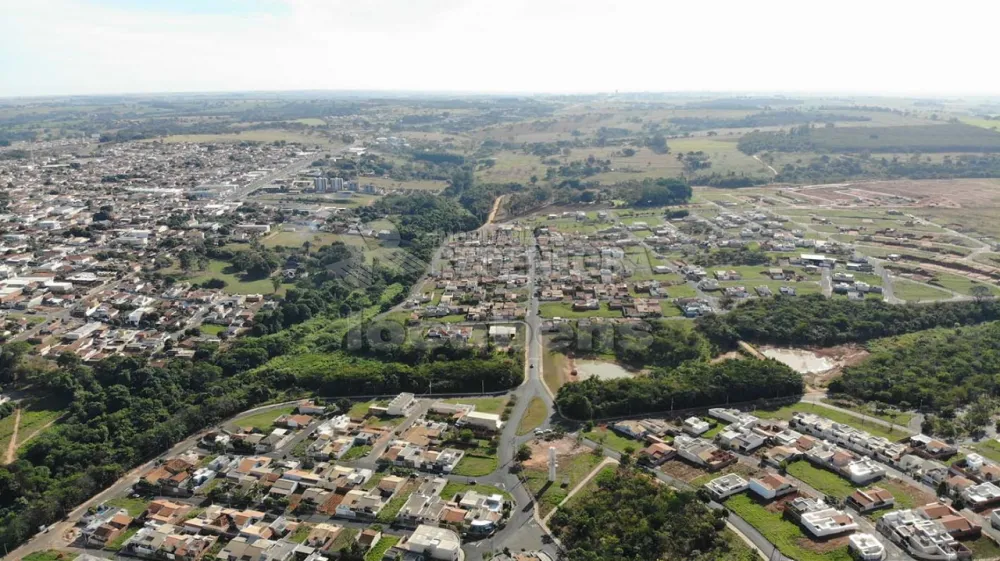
(488, 422)
(870, 499)
(828, 522)
(502, 334)
(401, 405)
(924, 539)
(865, 547)
(695, 426)
(428, 542)
(771, 486)
(726, 486)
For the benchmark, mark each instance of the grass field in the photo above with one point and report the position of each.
(135, 507)
(564, 310)
(591, 485)
(961, 284)
(263, 420)
(301, 533)
(295, 238)
(483, 404)
(50, 555)
(533, 417)
(573, 470)
(211, 329)
(357, 452)
(553, 363)
(476, 466)
(989, 448)
(824, 481)
(234, 283)
(35, 414)
(983, 547)
(784, 534)
(916, 292)
(612, 440)
(787, 411)
(454, 488)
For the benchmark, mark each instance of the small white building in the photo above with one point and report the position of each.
(503, 333)
(695, 426)
(828, 522)
(431, 543)
(485, 421)
(866, 547)
(726, 486)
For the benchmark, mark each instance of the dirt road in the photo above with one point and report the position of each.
(12, 445)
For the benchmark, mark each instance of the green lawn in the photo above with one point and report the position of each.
(710, 434)
(533, 417)
(552, 364)
(234, 282)
(493, 405)
(50, 555)
(824, 481)
(135, 507)
(574, 470)
(263, 420)
(610, 439)
(564, 310)
(357, 452)
(901, 418)
(211, 329)
(360, 409)
(916, 292)
(989, 448)
(784, 534)
(787, 411)
(385, 544)
(961, 284)
(453, 488)
(476, 466)
(297, 238)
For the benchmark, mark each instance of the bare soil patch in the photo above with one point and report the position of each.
(565, 448)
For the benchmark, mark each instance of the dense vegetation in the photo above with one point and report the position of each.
(692, 384)
(660, 192)
(936, 368)
(631, 517)
(764, 119)
(815, 320)
(952, 137)
(839, 168)
(667, 344)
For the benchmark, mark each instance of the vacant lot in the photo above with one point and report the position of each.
(235, 282)
(295, 238)
(785, 534)
(263, 420)
(824, 481)
(574, 464)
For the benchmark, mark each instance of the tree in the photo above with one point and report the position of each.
(980, 293)
(276, 282)
(523, 453)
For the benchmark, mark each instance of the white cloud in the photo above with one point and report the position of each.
(67, 46)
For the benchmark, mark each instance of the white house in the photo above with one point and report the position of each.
(828, 522)
(695, 426)
(770, 486)
(431, 543)
(866, 547)
(726, 486)
(401, 405)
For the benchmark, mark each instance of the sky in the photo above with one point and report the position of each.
(890, 47)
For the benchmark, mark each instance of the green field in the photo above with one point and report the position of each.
(356, 453)
(989, 448)
(50, 555)
(784, 534)
(234, 283)
(493, 405)
(263, 420)
(476, 466)
(565, 310)
(550, 495)
(916, 292)
(824, 481)
(295, 239)
(612, 440)
(135, 507)
(533, 417)
(35, 414)
(961, 284)
(454, 488)
(787, 411)
(211, 329)
(591, 485)
(391, 509)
